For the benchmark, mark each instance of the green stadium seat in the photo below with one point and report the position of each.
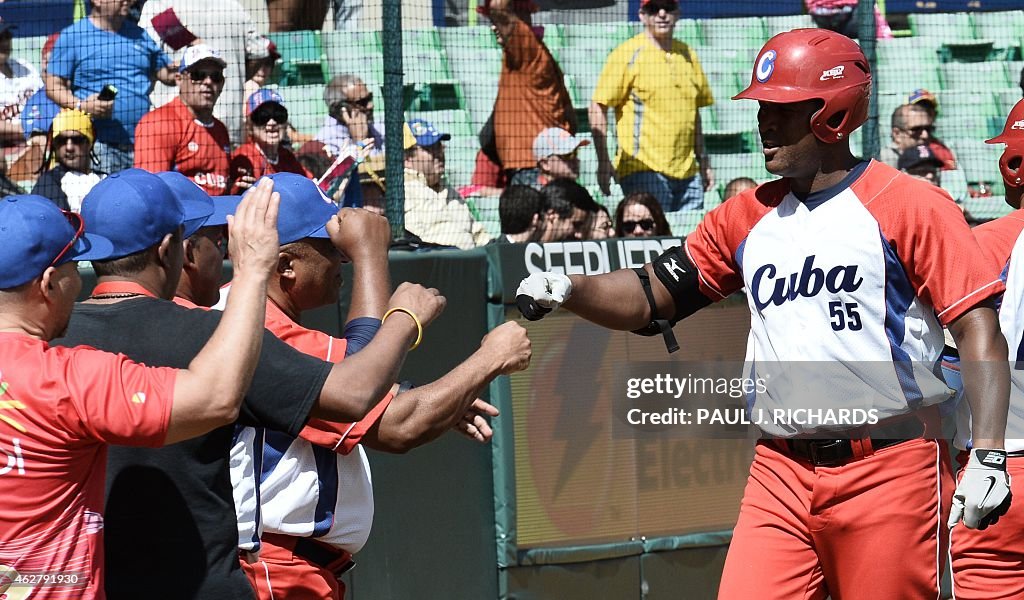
(903, 52)
(433, 95)
(901, 80)
(356, 52)
(778, 24)
(974, 76)
(492, 227)
(731, 166)
(965, 114)
(726, 60)
(303, 61)
(979, 161)
(478, 65)
(986, 209)
(688, 31)
(29, 49)
(739, 115)
(712, 198)
(584, 64)
(600, 37)
(724, 85)
(477, 37)
(1005, 100)
(948, 26)
(306, 110)
(454, 122)
(955, 183)
(1004, 28)
(683, 222)
(966, 51)
(743, 32)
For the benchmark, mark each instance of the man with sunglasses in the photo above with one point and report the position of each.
(264, 153)
(183, 135)
(61, 407)
(656, 85)
(71, 177)
(914, 125)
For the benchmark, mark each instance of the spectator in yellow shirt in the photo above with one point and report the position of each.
(655, 84)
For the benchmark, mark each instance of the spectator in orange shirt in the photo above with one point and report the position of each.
(531, 89)
(263, 153)
(183, 135)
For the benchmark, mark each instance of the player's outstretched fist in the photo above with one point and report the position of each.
(426, 303)
(542, 293)
(508, 344)
(983, 494)
(252, 231)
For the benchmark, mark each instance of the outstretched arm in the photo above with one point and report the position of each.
(421, 414)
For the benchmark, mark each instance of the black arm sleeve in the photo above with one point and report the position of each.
(679, 276)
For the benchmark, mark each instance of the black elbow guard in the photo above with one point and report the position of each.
(679, 276)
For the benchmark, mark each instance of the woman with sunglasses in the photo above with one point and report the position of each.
(640, 215)
(263, 152)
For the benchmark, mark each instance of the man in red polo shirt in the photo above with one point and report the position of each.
(183, 135)
(61, 407)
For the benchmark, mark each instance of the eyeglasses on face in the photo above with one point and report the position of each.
(363, 102)
(645, 224)
(200, 76)
(78, 140)
(920, 129)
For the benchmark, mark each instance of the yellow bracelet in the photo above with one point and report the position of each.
(415, 319)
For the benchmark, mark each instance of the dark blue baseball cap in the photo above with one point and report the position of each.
(135, 209)
(195, 203)
(37, 235)
(304, 210)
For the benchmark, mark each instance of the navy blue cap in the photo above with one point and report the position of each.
(134, 209)
(35, 232)
(304, 210)
(195, 202)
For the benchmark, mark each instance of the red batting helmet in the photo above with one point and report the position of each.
(1013, 137)
(815, 64)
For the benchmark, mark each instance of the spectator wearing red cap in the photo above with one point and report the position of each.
(531, 89)
(263, 153)
(183, 135)
(655, 84)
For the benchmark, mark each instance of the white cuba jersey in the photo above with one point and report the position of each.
(1002, 241)
(848, 290)
(316, 485)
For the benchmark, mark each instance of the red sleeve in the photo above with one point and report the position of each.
(931, 238)
(486, 172)
(119, 401)
(713, 247)
(343, 437)
(997, 238)
(156, 141)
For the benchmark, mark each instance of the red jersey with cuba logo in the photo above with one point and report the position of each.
(848, 289)
(59, 408)
(171, 139)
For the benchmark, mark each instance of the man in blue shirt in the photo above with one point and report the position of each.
(107, 49)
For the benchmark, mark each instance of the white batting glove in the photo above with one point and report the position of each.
(542, 293)
(983, 494)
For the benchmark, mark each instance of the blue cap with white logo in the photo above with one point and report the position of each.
(37, 235)
(426, 134)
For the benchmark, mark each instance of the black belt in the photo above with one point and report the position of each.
(324, 556)
(835, 451)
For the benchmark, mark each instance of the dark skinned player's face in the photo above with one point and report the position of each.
(317, 274)
(790, 148)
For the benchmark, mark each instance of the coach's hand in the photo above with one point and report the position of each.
(983, 494)
(542, 293)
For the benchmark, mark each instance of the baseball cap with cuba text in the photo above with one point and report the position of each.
(37, 235)
(135, 209)
(304, 210)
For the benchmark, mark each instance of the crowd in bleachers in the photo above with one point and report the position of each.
(324, 84)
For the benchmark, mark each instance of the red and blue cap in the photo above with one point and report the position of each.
(135, 209)
(260, 97)
(37, 235)
(304, 210)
